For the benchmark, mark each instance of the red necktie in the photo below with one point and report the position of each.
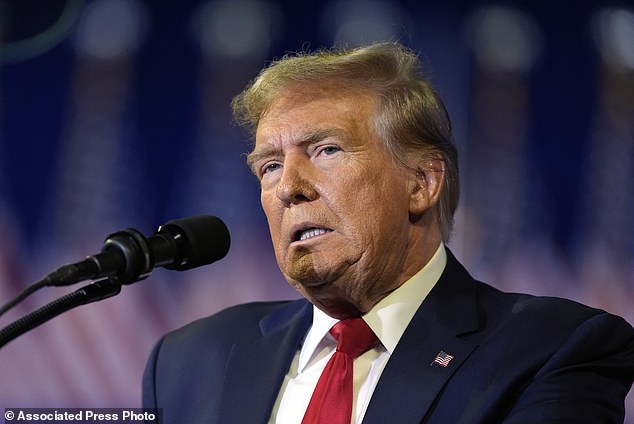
(331, 402)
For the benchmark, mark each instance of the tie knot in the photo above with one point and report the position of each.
(354, 337)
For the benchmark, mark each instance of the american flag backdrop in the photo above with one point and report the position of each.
(115, 114)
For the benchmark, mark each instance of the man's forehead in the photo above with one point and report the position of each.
(302, 137)
(297, 118)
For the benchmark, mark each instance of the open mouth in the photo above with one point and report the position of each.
(310, 233)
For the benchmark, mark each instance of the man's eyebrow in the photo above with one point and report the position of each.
(305, 139)
(320, 134)
(259, 153)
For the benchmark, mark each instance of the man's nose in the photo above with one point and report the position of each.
(295, 185)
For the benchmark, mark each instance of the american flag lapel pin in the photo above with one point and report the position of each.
(442, 359)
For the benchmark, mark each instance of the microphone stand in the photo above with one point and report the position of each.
(94, 292)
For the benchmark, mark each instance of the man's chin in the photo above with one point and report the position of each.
(304, 270)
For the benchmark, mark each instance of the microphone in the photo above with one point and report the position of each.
(128, 256)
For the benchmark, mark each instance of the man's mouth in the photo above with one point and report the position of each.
(310, 233)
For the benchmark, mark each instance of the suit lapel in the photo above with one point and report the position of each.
(255, 371)
(412, 380)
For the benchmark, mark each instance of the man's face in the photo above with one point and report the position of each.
(337, 205)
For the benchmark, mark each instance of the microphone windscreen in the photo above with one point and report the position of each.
(206, 237)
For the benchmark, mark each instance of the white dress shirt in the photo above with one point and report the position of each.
(388, 319)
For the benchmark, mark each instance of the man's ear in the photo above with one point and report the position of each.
(426, 185)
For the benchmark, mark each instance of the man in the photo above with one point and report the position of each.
(359, 183)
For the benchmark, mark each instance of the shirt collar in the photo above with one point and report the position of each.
(388, 318)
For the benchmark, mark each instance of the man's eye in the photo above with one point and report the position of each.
(270, 167)
(329, 150)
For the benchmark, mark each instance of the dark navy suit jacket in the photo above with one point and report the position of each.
(516, 359)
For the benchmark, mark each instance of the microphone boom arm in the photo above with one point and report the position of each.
(93, 292)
